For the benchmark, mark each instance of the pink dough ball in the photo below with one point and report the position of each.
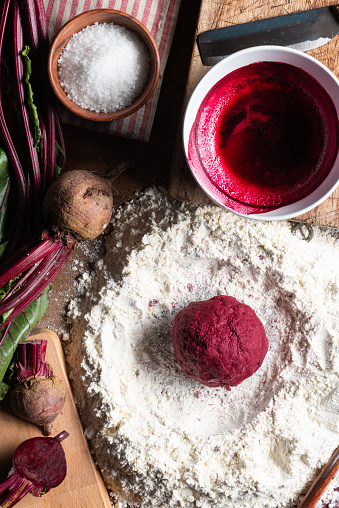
(219, 342)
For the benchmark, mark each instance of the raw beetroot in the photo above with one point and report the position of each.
(39, 465)
(38, 396)
(78, 206)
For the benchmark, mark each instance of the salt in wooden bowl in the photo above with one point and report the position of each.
(77, 24)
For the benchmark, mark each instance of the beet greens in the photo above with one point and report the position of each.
(32, 155)
(52, 212)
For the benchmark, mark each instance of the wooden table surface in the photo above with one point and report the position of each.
(216, 14)
(140, 164)
(160, 161)
(83, 485)
(136, 164)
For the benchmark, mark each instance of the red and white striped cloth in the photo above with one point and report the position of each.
(159, 16)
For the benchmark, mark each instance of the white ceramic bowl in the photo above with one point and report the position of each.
(269, 54)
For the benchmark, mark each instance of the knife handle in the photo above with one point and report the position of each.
(335, 9)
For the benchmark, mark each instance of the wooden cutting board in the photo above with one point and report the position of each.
(83, 487)
(216, 14)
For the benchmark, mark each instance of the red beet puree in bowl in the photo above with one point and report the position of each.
(265, 135)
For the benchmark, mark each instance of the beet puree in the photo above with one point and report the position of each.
(266, 135)
(219, 342)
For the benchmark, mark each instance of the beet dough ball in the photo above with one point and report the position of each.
(219, 342)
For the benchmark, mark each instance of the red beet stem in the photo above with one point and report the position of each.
(6, 484)
(61, 436)
(18, 490)
(33, 171)
(39, 464)
(41, 270)
(41, 26)
(32, 27)
(39, 252)
(39, 39)
(61, 141)
(50, 123)
(37, 395)
(17, 487)
(43, 155)
(31, 360)
(36, 284)
(9, 145)
(18, 47)
(24, 277)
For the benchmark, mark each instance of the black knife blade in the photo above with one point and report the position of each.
(301, 30)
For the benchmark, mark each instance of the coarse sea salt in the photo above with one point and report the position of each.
(104, 67)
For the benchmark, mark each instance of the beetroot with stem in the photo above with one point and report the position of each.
(37, 396)
(39, 465)
(78, 206)
(31, 137)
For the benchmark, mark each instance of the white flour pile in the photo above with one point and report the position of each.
(104, 67)
(163, 440)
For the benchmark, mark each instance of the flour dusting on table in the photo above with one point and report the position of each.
(163, 440)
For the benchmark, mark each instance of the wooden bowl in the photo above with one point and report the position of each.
(75, 25)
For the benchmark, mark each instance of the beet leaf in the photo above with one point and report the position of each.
(8, 380)
(4, 193)
(8, 144)
(59, 160)
(35, 173)
(32, 155)
(18, 330)
(33, 110)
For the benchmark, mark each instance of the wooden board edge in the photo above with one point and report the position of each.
(57, 344)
